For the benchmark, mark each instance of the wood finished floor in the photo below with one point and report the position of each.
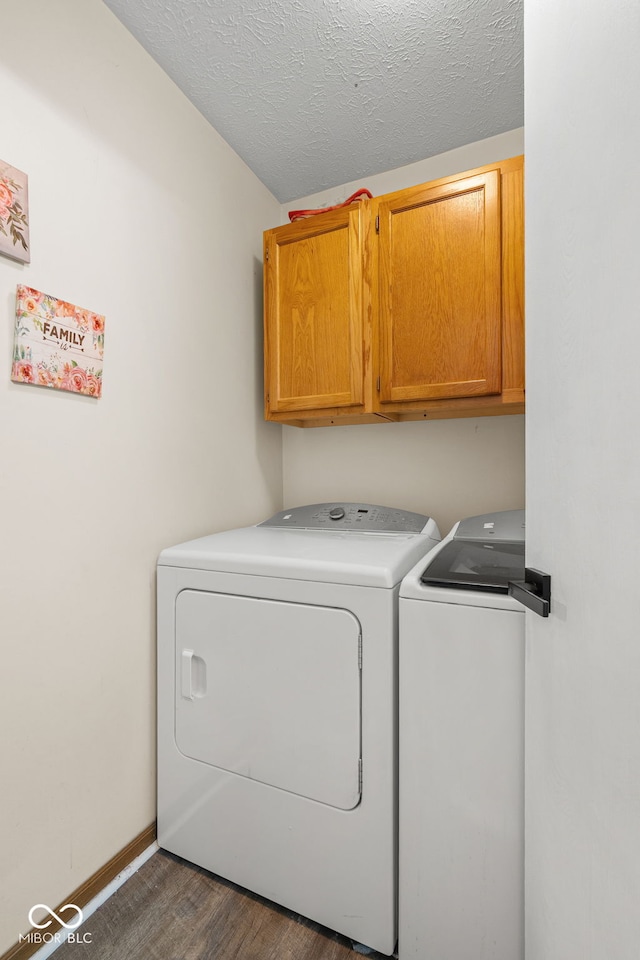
(173, 910)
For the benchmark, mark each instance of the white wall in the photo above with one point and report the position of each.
(582, 74)
(141, 212)
(446, 468)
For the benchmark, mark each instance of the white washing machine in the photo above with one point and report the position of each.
(277, 708)
(461, 878)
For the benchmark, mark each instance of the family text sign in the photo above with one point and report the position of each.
(57, 344)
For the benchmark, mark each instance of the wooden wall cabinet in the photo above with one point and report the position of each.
(404, 307)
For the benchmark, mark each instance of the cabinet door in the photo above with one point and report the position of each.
(439, 300)
(314, 312)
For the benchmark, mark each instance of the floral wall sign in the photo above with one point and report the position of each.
(14, 213)
(57, 344)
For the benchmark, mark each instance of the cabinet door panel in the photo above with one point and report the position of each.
(440, 291)
(512, 203)
(313, 311)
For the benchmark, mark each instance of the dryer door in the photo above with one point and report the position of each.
(270, 690)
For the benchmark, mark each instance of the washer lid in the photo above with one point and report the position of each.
(476, 565)
(328, 556)
(473, 564)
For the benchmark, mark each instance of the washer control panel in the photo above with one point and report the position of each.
(367, 517)
(507, 526)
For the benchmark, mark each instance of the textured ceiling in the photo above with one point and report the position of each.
(316, 93)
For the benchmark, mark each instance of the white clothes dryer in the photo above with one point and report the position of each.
(461, 690)
(277, 704)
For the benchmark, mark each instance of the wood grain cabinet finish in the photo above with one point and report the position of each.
(405, 307)
(439, 291)
(314, 314)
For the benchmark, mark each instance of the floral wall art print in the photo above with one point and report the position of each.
(14, 213)
(57, 344)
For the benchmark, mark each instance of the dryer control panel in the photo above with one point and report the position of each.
(365, 517)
